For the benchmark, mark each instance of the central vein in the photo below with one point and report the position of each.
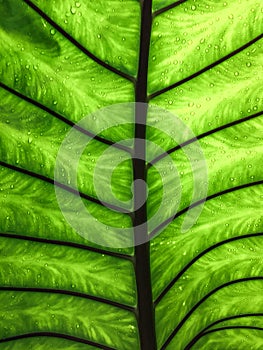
(142, 252)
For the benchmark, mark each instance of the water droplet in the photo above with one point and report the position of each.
(78, 4)
(98, 36)
(55, 102)
(248, 64)
(73, 10)
(52, 31)
(193, 8)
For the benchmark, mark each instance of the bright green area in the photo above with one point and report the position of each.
(51, 70)
(232, 261)
(231, 215)
(253, 321)
(212, 99)
(34, 264)
(45, 343)
(66, 84)
(102, 28)
(237, 299)
(28, 141)
(239, 145)
(24, 312)
(192, 36)
(40, 215)
(231, 340)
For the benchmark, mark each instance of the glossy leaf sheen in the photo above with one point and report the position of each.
(61, 61)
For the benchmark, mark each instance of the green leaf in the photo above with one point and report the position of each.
(196, 281)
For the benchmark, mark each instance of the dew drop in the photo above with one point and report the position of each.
(99, 36)
(73, 10)
(52, 31)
